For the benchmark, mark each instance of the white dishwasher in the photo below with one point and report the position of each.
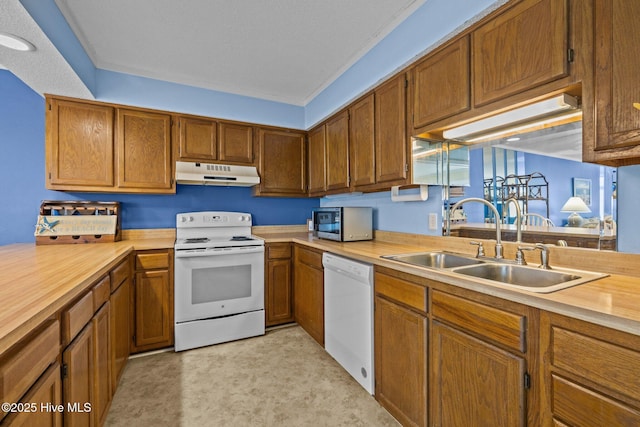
(348, 316)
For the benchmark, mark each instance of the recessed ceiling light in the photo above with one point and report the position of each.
(513, 139)
(15, 42)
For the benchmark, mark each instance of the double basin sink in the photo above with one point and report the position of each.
(520, 276)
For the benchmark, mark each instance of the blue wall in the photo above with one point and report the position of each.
(23, 180)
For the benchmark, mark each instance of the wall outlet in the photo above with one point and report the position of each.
(433, 221)
(310, 224)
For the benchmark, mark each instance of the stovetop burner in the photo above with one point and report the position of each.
(196, 240)
(240, 238)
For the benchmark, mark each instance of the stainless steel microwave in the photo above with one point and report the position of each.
(346, 224)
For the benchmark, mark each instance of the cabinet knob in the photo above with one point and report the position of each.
(637, 105)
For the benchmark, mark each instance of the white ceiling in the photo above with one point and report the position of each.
(280, 50)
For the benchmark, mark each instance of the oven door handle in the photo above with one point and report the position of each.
(192, 253)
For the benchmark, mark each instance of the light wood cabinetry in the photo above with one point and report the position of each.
(616, 89)
(21, 366)
(79, 145)
(47, 392)
(278, 302)
(92, 146)
(78, 379)
(441, 84)
(236, 143)
(308, 291)
(197, 139)
(522, 48)
(400, 339)
(120, 320)
(283, 163)
(591, 373)
(317, 161)
(479, 350)
(102, 390)
(362, 143)
(391, 132)
(144, 151)
(337, 152)
(153, 297)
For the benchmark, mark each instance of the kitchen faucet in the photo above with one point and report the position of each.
(544, 255)
(518, 218)
(495, 213)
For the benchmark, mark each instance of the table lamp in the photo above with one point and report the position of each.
(575, 205)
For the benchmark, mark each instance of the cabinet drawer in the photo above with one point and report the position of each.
(118, 275)
(278, 250)
(101, 292)
(313, 259)
(21, 367)
(75, 317)
(568, 398)
(498, 325)
(609, 365)
(152, 261)
(411, 294)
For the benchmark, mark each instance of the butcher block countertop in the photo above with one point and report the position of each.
(37, 281)
(612, 301)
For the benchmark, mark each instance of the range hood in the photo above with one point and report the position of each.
(194, 173)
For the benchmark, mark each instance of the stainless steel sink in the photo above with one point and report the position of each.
(438, 259)
(529, 278)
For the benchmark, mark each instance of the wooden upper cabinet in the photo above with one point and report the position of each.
(337, 152)
(362, 149)
(79, 145)
(390, 131)
(316, 160)
(198, 139)
(442, 84)
(236, 143)
(524, 47)
(144, 151)
(616, 79)
(282, 165)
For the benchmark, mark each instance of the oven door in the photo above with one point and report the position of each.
(218, 282)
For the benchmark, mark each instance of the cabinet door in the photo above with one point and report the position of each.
(78, 382)
(475, 383)
(616, 75)
(337, 162)
(144, 151)
(47, 391)
(282, 163)
(102, 365)
(79, 142)
(198, 139)
(391, 134)
(441, 84)
(153, 302)
(317, 158)
(236, 143)
(523, 48)
(119, 323)
(308, 292)
(362, 148)
(278, 292)
(401, 362)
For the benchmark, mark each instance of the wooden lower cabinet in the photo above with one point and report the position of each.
(308, 292)
(120, 320)
(102, 391)
(153, 300)
(400, 340)
(278, 302)
(591, 377)
(78, 379)
(46, 392)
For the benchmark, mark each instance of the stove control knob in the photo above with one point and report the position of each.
(183, 219)
(190, 219)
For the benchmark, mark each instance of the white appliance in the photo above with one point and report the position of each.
(219, 279)
(348, 316)
(196, 173)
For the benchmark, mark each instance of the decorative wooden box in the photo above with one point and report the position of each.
(77, 222)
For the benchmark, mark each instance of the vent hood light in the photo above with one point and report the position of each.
(561, 107)
(15, 42)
